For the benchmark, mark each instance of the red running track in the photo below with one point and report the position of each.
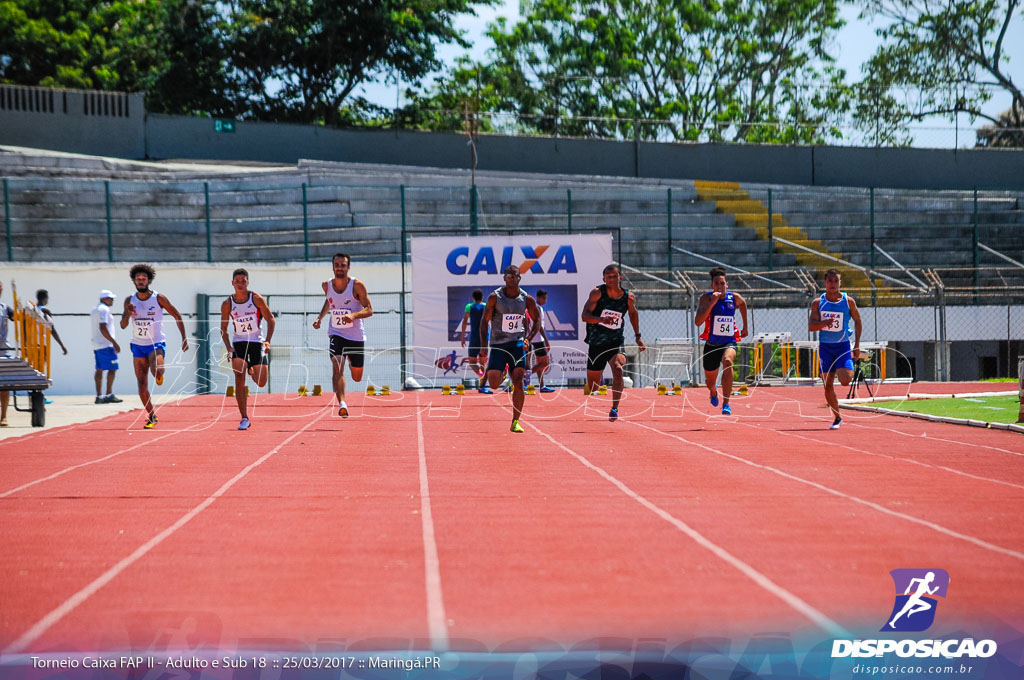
(421, 521)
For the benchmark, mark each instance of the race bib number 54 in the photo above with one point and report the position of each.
(723, 325)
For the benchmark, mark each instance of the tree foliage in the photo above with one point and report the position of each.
(660, 69)
(291, 60)
(937, 58)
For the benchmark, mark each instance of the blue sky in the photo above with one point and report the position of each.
(856, 43)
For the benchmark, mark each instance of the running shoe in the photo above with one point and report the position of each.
(111, 399)
(100, 400)
(343, 410)
(516, 427)
(159, 377)
(3, 422)
(726, 410)
(150, 423)
(836, 424)
(613, 415)
(47, 400)
(547, 389)
(485, 390)
(244, 425)
(714, 399)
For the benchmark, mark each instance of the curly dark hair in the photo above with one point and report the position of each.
(142, 269)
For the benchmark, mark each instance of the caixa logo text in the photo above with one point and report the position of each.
(486, 260)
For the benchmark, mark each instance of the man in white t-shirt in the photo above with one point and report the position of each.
(105, 347)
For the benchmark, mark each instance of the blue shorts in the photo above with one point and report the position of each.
(106, 359)
(143, 351)
(511, 354)
(834, 355)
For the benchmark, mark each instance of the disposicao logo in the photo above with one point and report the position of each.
(915, 605)
(914, 611)
(485, 260)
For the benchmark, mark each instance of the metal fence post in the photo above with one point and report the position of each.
(209, 244)
(203, 368)
(568, 196)
(771, 242)
(7, 221)
(110, 230)
(669, 225)
(401, 298)
(305, 224)
(472, 210)
(974, 246)
(871, 249)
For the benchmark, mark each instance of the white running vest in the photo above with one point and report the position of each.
(245, 321)
(147, 321)
(344, 303)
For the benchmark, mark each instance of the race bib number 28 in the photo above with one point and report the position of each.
(338, 318)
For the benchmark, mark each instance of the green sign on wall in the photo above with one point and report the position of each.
(224, 125)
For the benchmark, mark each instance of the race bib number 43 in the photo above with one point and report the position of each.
(144, 329)
(338, 319)
(834, 319)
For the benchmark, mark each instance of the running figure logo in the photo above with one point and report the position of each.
(914, 609)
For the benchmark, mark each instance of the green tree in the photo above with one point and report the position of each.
(937, 58)
(300, 60)
(662, 69)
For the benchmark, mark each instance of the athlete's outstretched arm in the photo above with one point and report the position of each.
(707, 301)
(225, 318)
(742, 305)
(534, 310)
(126, 315)
(465, 320)
(359, 291)
(588, 309)
(170, 309)
(857, 326)
(261, 304)
(634, 318)
(485, 322)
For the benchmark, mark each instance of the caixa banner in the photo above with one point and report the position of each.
(446, 271)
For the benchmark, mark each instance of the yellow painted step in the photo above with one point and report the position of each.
(745, 207)
(713, 184)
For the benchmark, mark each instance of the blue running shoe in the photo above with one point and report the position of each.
(714, 399)
(547, 389)
(613, 415)
(726, 411)
(485, 390)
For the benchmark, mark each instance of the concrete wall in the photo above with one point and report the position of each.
(98, 123)
(116, 125)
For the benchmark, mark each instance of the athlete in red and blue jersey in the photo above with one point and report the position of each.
(716, 311)
(830, 316)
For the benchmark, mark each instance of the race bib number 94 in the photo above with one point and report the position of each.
(834, 319)
(512, 323)
(611, 319)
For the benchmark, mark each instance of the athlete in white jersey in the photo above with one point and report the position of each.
(248, 350)
(348, 304)
(145, 310)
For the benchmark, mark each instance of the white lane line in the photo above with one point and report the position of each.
(821, 487)
(69, 605)
(436, 621)
(886, 456)
(71, 468)
(822, 621)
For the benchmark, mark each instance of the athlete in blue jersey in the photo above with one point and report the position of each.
(473, 316)
(716, 311)
(830, 316)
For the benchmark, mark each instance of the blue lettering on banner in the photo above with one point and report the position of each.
(485, 261)
(453, 260)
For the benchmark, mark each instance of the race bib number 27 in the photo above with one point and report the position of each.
(143, 329)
